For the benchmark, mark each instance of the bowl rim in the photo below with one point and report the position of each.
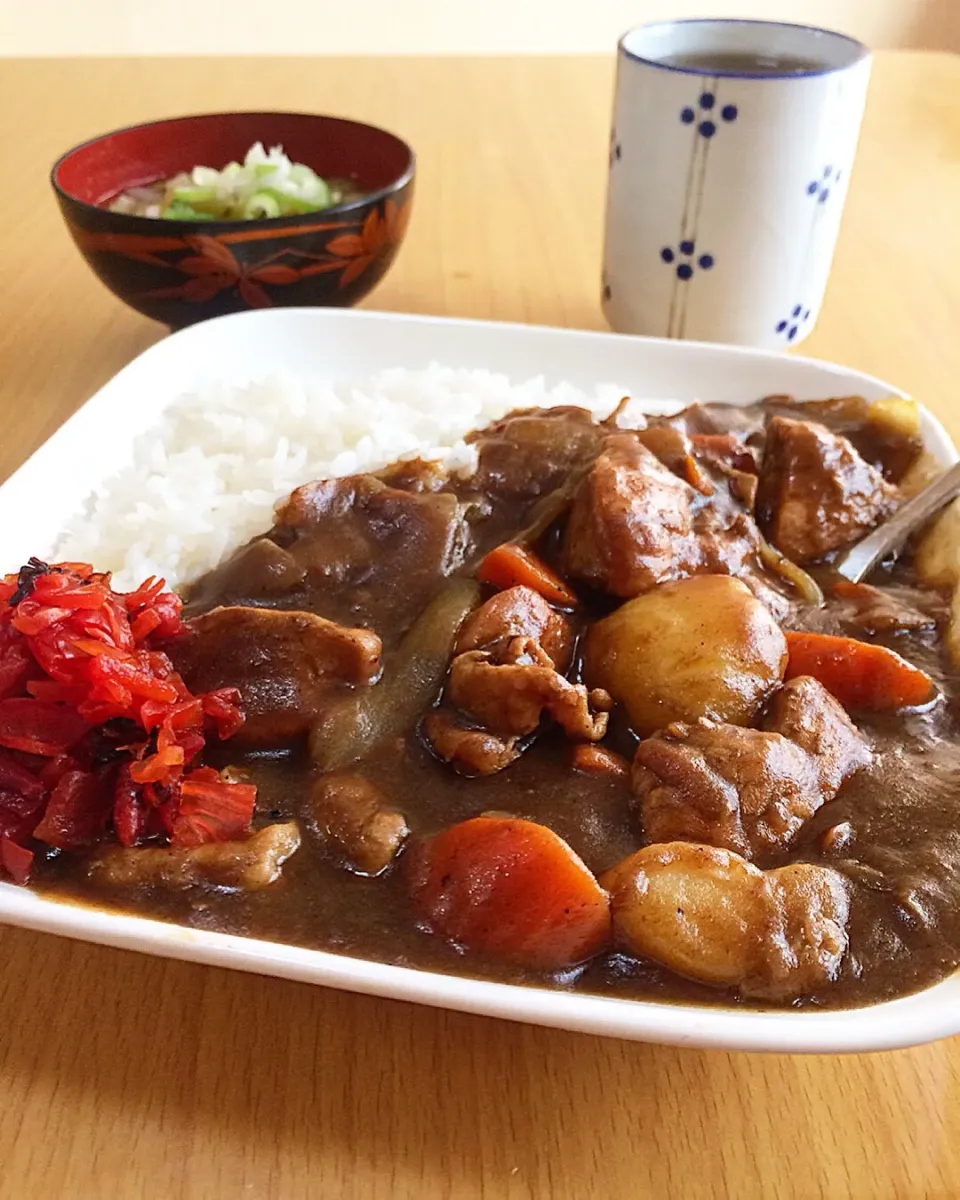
(166, 223)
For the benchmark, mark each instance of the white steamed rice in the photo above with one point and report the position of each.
(206, 478)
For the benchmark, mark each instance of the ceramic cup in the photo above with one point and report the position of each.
(727, 186)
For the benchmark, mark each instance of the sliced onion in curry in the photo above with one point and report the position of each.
(553, 505)
(780, 565)
(410, 684)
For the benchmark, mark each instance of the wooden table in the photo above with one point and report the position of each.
(127, 1076)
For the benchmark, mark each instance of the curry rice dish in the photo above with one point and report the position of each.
(598, 715)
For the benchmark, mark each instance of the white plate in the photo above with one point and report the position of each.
(339, 344)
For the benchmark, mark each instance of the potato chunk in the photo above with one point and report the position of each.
(895, 415)
(937, 557)
(710, 915)
(703, 647)
(695, 909)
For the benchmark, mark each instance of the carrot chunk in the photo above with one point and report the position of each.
(513, 889)
(511, 565)
(597, 760)
(860, 675)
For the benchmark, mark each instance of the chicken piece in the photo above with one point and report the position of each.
(353, 819)
(634, 524)
(748, 790)
(740, 789)
(532, 452)
(816, 494)
(707, 461)
(518, 612)
(837, 413)
(469, 751)
(773, 600)
(415, 475)
(287, 665)
(885, 432)
(256, 571)
(363, 536)
(631, 522)
(511, 654)
(711, 419)
(805, 712)
(247, 866)
(727, 537)
(728, 540)
(710, 915)
(509, 697)
(729, 452)
(814, 908)
(881, 610)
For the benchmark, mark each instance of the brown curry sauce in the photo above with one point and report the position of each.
(903, 858)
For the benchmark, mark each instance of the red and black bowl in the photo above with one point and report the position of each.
(179, 272)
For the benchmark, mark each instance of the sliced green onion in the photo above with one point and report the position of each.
(180, 211)
(321, 195)
(261, 204)
(193, 195)
(266, 184)
(291, 204)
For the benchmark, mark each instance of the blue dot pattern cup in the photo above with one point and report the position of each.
(726, 187)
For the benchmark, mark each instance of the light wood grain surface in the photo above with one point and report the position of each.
(123, 1076)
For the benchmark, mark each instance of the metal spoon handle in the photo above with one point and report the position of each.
(860, 559)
